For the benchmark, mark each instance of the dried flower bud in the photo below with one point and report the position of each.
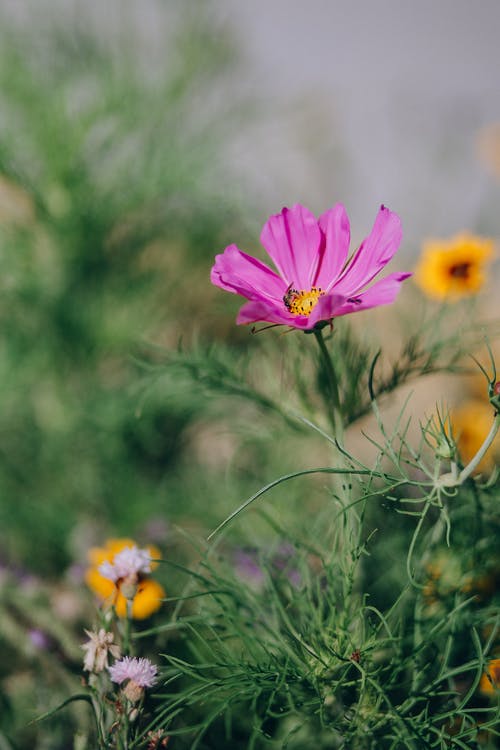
(98, 647)
(157, 739)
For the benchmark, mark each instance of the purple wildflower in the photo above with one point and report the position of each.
(139, 671)
(283, 561)
(39, 639)
(128, 563)
(247, 565)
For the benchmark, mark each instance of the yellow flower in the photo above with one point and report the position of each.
(470, 424)
(149, 594)
(444, 577)
(490, 681)
(454, 268)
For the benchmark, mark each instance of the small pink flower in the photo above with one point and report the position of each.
(315, 281)
(139, 671)
(127, 564)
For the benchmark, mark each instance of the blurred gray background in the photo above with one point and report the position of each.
(373, 102)
(358, 101)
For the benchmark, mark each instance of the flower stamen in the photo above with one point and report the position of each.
(302, 302)
(460, 271)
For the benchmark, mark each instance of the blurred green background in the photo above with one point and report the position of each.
(113, 203)
(111, 210)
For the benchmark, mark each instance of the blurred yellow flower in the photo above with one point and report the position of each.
(490, 681)
(444, 578)
(149, 594)
(454, 268)
(470, 424)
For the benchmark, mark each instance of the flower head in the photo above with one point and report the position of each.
(148, 593)
(454, 268)
(98, 647)
(139, 674)
(141, 671)
(246, 563)
(315, 281)
(128, 563)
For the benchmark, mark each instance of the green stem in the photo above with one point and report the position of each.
(127, 628)
(334, 412)
(125, 731)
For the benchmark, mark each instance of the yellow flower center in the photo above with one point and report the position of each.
(302, 302)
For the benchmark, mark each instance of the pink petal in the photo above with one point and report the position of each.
(337, 234)
(383, 292)
(373, 254)
(237, 272)
(293, 240)
(326, 308)
(259, 311)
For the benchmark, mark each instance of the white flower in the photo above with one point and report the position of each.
(127, 564)
(98, 647)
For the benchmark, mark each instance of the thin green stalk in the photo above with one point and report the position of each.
(334, 411)
(472, 465)
(127, 628)
(321, 470)
(125, 731)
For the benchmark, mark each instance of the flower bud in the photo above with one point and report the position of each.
(133, 692)
(128, 586)
(494, 395)
(445, 448)
(133, 715)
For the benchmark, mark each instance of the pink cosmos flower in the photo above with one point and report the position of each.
(315, 281)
